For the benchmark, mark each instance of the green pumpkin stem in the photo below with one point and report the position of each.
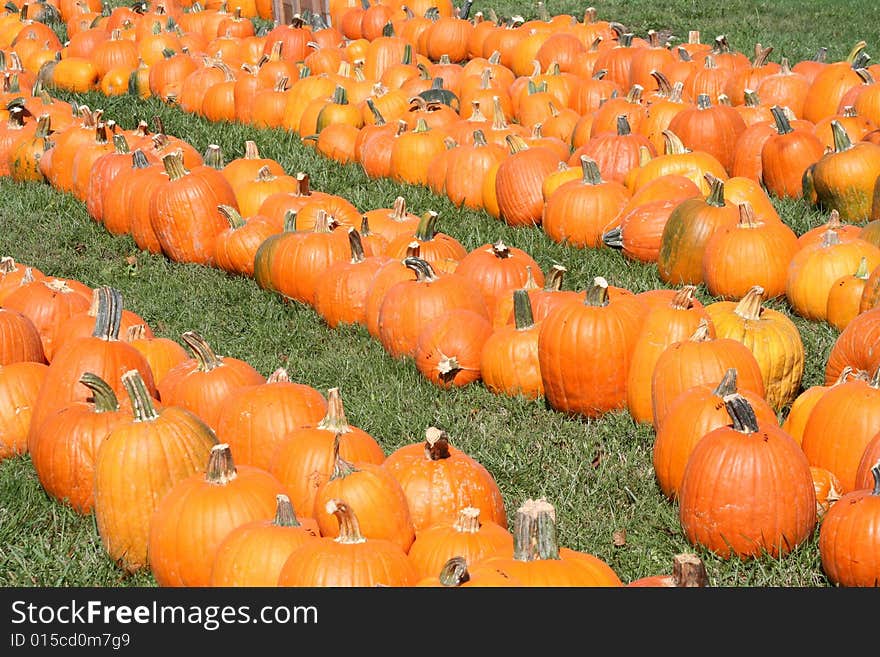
(727, 385)
(875, 472)
(284, 513)
(232, 216)
(108, 315)
(142, 405)
(104, 399)
(623, 127)
(741, 413)
(377, 115)
(597, 295)
(553, 280)
(862, 272)
(842, 141)
(289, 222)
(716, 191)
(783, 126)
(523, 317)
(454, 572)
(174, 165)
(207, 359)
(213, 157)
(590, 171)
(220, 470)
(427, 228)
(120, 144)
(334, 420)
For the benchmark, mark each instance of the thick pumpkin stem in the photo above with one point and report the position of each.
(862, 272)
(120, 144)
(356, 245)
(221, 469)
(136, 332)
(534, 532)
(448, 367)
(231, 215)
(747, 217)
(398, 209)
(436, 444)
(279, 376)
(749, 307)
(207, 359)
(104, 399)
(335, 419)
(214, 157)
(174, 165)
(468, 520)
(108, 316)
(523, 317)
(422, 268)
(741, 413)
(341, 467)
(727, 385)
(830, 238)
(875, 472)
(598, 294)
(500, 250)
(454, 572)
(842, 141)
(716, 191)
(684, 298)
(480, 139)
(349, 529)
(672, 143)
(139, 160)
(689, 571)
(142, 405)
(427, 227)
(289, 221)
(590, 171)
(251, 152)
(701, 334)
(783, 126)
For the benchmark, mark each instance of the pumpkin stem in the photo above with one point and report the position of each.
(741, 413)
(213, 157)
(232, 216)
(534, 534)
(523, 316)
(590, 171)
(207, 359)
(684, 298)
(422, 268)
(356, 245)
(279, 376)
(747, 217)
(783, 126)
(289, 220)
(468, 520)
(553, 280)
(875, 471)
(108, 315)
(830, 238)
(672, 143)
(221, 469)
(139, 160)
(349, 529)
(334, 420)
(341, 467)
(454, 572)
(688, 570)
(251, 152)
(716, 191)
(104, 398)
(436, 444)
(749, 307)
(862, 272)
(120, 144)
(174, 165)
(142, 405)
(727, 385)
(702, 332)
(842, 141)
(598, 294)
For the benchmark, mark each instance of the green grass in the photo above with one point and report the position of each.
(597, 473)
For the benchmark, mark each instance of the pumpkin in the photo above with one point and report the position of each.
(348, 559)
(254, 553)
(840, 426)
(383, 511)
(160, 353)
(518, 182)
(709, 128)
(457, 573)
(435, 246)
(754, 460)
(585, 350)
(771, 336)
(19, 339)
(800, 409)
(438, 479)
(449, 347)
(304, 456)
(828, 489)
(855, 346)
(832, 80)
(198, 512)
(695, 412)
(697, 360)
(688, 570)
(845, 296)
(256, 418)
(848, 537)
(20, 384)
(538, 560)
(137, 463)
(663, 325)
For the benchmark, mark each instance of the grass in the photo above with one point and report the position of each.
(597, 473)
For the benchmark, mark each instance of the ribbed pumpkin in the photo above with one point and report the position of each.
(771, 336)
(19, 339)
(786, 155)
(803, 404)
(855, 347)
(747, 490)
(467, 537)
(518, 181)
(64, 449)
(349, 559)
(408, 306)
(137, 463)
(256, 418)
(509, 360)
(585, 350)
(435, 246)
(848, 537)
(845, 296)
(198, 512)
(161, 353)
(751, 252)
(378, 497)
(697, 360)
(184, 210)
(20, 385)
(840, 426)
(815, 268)
(202, 383)
(831, 82)
(254, 553)
(438, 479)
(102, 353)
(686, 232)
(710, 128)
(304, 457)
(449, 347)
(692, 414)
(538, 560)
(663, 325)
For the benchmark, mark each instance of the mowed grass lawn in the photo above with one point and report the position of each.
(597, 473)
